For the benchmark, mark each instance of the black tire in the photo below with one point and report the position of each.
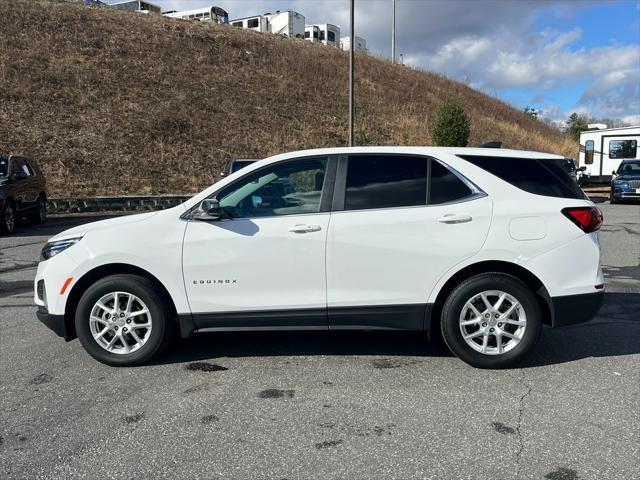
(452, 309)
(612, 200)
(40, 216)
(8, 218)
(162, 321)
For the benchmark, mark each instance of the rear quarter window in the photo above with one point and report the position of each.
(545, 177)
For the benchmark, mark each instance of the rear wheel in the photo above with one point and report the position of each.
(491, 320)
(122, 320)
(40, 216)
(8, 218)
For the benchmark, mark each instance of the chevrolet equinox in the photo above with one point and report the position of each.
(484, 246)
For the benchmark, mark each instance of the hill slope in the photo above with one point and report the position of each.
(111, 102)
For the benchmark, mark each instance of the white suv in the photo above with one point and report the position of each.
(486, 246)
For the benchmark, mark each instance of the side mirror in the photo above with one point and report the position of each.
(208, 210)
(613, 173)
(582, 169)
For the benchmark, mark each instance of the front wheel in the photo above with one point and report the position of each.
(491, 320)
(122, 320)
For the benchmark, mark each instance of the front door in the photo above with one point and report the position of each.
(396, 234)
(265, 265)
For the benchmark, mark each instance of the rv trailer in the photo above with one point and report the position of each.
(360, 44)
(207, 14)
(288, 23)
(139, 6)
(312, 33)
(602, 150)
(258, 23)
(328, 34)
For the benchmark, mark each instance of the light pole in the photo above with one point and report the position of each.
(393, 34)
(351, 42)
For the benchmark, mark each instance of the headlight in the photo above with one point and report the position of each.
(51, 249)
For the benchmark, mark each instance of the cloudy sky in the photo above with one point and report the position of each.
(558, 56)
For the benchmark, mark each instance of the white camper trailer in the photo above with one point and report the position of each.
(312, 33)
(207, 14)
(602, 150)
(328, 34)
(258, 23)
(287, 24)
(360, 44)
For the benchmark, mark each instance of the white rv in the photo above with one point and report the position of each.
(258, 23)
(602, 150)
(207, 14)
(312, 33)
(328, 34)
(288, 24)
(360, 44)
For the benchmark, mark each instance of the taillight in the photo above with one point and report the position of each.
(588, 219)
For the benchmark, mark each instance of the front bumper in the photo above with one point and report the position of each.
(57, 323)
(572, 309)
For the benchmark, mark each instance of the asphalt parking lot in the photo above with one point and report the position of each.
(313, 405)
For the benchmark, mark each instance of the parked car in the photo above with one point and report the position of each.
(486, 246)
(232, 166)
(23, 192)
(625, 182)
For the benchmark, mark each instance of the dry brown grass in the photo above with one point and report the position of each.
(112, 103)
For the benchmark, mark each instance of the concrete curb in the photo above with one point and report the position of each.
(138, 203)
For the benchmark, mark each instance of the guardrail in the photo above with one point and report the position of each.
(137, 203)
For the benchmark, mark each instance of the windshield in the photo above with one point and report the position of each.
(629, 168)
(4, 166)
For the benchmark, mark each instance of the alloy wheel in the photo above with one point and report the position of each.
(9, 218)
(120, 322)
(493, 322)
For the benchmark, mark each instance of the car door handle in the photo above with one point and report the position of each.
(452, 218)
(303, 228)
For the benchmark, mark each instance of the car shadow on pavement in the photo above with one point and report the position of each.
(614, 332)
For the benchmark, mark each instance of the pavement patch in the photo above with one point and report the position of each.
(40, 379)
(276, 393)
(328, 444)
(205, 367)
(503, 429)
(135, 418)
(562, 474)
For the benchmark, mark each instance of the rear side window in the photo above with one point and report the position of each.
(445, 186)
(253, 23)
(588, 152)
(537, 176)
(386, 181)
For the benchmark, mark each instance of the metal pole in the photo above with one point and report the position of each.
(393, 34)
(351, 45)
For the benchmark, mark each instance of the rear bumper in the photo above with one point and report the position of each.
(572, 309)
(56, 323)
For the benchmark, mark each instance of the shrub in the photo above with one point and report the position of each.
(451, 128)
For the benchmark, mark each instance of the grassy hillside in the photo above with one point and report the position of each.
(111, 102)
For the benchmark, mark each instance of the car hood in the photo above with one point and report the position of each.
(81, 230)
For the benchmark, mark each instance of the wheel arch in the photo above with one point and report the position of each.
(491, 266)
(103, 271)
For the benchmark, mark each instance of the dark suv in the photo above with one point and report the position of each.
(22, 192)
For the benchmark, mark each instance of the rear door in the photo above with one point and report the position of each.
(399, 223)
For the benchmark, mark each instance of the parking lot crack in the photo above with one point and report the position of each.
(521, 409)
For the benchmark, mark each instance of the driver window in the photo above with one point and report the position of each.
(290, 188)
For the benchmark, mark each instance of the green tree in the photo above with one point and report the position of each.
(532, 112)
(575, 124)
(451, 128)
